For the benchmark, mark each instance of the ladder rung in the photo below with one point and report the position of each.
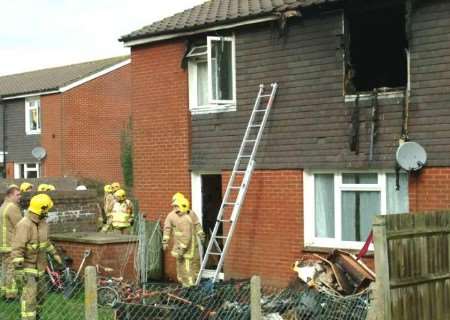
(225, 220)
(220, 237)
(245, 156)
(251, 141)
(215, 253)
(265, 95)
(229, 203)
(239, 171)
(235, 187)
(255, 125)
(259, 110)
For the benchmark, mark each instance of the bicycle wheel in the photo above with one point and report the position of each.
(107, 296)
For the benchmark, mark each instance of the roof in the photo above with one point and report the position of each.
(217, 12)
(52, 79)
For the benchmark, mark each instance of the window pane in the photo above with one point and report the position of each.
(324, 205)
(397, 200)
(202, 83)
(358, 210)
(360, 178)
(32, 174)
(22, 171)
(222, 70)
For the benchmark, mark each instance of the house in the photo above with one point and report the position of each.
(74, 114)
(342, 67)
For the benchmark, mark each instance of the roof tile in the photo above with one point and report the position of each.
(215, 12)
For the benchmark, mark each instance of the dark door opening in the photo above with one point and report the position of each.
(211, 201)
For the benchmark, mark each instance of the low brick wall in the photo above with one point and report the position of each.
(73, 211)
(111, 250)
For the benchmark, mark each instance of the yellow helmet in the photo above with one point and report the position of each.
(115, 186)
(177, 196)
(51, 187)
(43, 187)
(120, 195)
(25, 187)
(107, 188)
(40, 204)
(182, 204)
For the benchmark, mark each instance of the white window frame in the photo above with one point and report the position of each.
(213, 106)
(26, 169)
(28, 108)
(309, 207)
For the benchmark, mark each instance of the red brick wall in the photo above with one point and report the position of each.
(107, 255)
(51, 135)
(161, 128)
(429, 189)
(93, 116)
(269, 235)
(9, 169)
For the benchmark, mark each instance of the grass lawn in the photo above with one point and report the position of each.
(55, 308)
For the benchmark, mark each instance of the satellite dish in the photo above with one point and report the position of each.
(39, 153)
(411, 156)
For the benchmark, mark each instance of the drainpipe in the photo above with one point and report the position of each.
(4, 136)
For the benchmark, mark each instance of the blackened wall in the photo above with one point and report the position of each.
(310, 123)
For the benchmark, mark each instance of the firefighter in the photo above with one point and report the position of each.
(108, 203)
(187, 230)
(10, 216)
(26, 187)
(115, 186)
(30, 247)
(122, 212)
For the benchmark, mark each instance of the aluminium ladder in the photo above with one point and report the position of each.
(239, 181)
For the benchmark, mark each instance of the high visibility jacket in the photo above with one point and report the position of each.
(108, 203)
(122, 214)
(185, 228)
(30, 245)
(9, 217)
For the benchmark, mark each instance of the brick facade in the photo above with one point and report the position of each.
(429, 189)
(81, 127)
(161, 128)
(269, 234)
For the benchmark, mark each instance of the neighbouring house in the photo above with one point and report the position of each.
(195, 76)
(74, 113)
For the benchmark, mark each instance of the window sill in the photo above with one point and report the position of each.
(213, 108)
(30, 133)
(381, 95)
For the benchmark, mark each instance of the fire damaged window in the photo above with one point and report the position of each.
(211, 67)
(340, 207)
(375, 49)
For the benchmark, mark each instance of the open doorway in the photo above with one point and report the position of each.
(211, 186)
(206, 201)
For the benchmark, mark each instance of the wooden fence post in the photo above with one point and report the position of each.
(90, 293)
(383, 289)
(255, 298)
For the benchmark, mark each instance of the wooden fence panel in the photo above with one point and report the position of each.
(412, 263)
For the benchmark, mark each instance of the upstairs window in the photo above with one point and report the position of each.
(32, 116)
(212, 76)
(375, 49)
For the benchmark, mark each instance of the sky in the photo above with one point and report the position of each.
(36, 34)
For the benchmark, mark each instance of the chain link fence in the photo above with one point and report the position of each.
(62, 298)
(54, 295)
(231, 301)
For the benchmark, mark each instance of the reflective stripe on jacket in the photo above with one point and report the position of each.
(9, 217)
(122, 214)
(30, 245)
